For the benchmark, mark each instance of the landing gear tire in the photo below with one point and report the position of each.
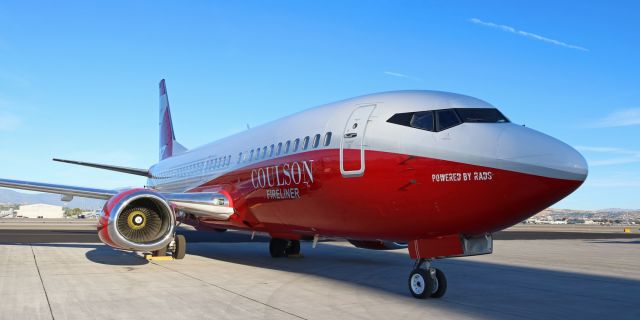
(180, 247)
(426, 281)
(293, 248)
(278, 247)
(440, 285)
(420, 283)
(220, 230)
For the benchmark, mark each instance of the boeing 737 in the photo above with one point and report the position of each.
(434, 172)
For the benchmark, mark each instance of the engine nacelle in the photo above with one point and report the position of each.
(378, 244)
(137, 220)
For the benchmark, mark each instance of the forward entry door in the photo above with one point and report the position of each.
(352, 144)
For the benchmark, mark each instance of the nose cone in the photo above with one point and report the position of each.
(537, 153)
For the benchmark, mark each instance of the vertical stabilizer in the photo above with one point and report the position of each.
(168, 144)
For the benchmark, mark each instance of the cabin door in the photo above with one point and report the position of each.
(352, 144)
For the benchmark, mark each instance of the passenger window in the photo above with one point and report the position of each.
(251, 155)
(286, 146)
(296, 144)
(228, 160)
(279, 150)
(271, 148)
(446, 119)
(239, 157)
(305, 143)
(327, 139)
(422, 120)
(264, 152)
(316, 141)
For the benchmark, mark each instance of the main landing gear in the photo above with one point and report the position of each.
(426, 281)
(178, 249)
(279, 248)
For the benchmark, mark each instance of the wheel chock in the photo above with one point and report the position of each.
(151, 257)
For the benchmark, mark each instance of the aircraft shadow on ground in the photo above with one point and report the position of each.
(482, 289)
(99, 253)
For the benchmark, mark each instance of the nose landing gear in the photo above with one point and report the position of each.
(426, 281)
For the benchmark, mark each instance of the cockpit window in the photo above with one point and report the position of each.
(439, 120)
(481, 115)
(403, 119)
(422, 120)
(446, 119)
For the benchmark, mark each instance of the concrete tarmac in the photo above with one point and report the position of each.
(237, 279)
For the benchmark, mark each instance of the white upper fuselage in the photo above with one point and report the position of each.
(497, 145)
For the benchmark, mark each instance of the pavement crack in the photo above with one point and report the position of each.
(42, 283)
(231, 291)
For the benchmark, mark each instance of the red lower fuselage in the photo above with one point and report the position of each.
(399, 197)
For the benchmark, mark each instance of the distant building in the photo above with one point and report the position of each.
(42, 211)
(90, 214)
(7, 213)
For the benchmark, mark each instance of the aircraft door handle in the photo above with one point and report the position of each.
(350, 135)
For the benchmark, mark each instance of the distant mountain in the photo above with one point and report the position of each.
(617, 210)
(14, 197)
(611, 214)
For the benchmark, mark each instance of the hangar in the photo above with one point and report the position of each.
(40, 210)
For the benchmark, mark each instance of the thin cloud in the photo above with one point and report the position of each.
(614, 156)
(526, 34)
(622, 118)
(401, 75)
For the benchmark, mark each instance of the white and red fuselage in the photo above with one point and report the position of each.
(345, 170)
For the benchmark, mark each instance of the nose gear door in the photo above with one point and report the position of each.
(352, 144)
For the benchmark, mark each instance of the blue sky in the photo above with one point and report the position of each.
(79, 79)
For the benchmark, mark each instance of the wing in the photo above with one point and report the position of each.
(59, 189)
(205, 204)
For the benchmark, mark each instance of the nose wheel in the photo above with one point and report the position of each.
(426, 281)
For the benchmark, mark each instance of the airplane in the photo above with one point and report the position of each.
(431, 171)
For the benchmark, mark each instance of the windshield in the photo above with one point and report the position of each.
(486, 115)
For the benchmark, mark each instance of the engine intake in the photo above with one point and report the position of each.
(138, 220)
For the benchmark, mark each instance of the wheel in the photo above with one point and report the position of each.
(160, 252)
(293, 248)
(278, 247)
(220, 230)
(440, 285)
(180, 248)
(420, 283)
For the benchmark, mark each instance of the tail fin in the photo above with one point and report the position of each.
(168, 145)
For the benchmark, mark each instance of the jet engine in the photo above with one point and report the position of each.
(378, 244)
(137, 220)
